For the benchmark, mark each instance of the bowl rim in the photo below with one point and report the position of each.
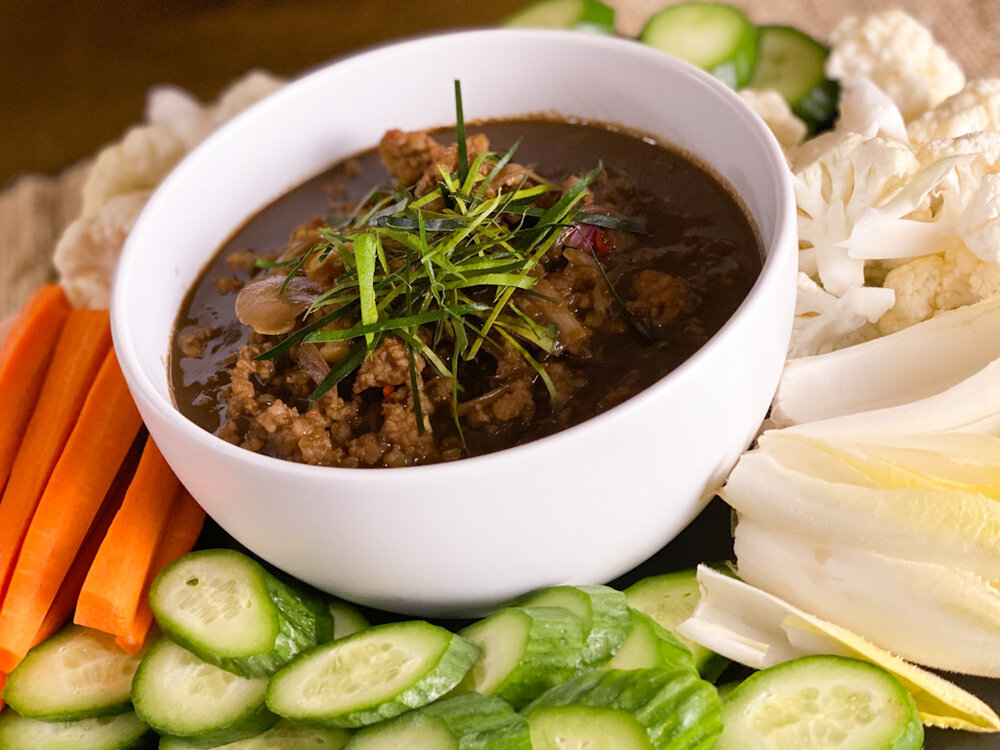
(784, 224)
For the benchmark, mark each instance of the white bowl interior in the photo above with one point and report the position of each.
(344, 109)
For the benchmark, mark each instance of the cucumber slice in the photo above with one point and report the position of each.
(586, 728)
(178, 694)
(791, 62)
(285, 735)
(411, 730)
(820, 703)
(649, 645)
(78, 673)
(122, 732)
(726, 689)
(371, 676)
(225, 608)
(603, 612)
(482, 722)
(715, 37)
(470, 722)
(679, 710)
(526, 650)
(347, 620)
(583, 15)
(670, 599)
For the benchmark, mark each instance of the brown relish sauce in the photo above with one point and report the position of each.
(680, 281)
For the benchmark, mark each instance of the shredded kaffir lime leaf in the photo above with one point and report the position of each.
(451, 260)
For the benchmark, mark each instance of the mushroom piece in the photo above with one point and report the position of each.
(267, 309)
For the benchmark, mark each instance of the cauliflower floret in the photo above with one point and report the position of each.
(979, 224)
(976, 107)
(126, 172)
(868, 110)
(824, 322)
(189, 120)
(985, 280)
(864, 110)
(88, 250)
(928, 285)
(968, 200)
(772, 108)
(834, 192)
(899, 55)
(138, 162)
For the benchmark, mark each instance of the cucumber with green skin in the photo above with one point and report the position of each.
(821, 703)
(122, 732)
(603, 613)
(670, 599)
(525, 651)
(679, 710)
(180, 695)
(575, 727)
(347, 619)
(792, 63)
(371, 676)
(582, 15)
(284, 735)
(716, 37)
(228, 610)
(650, 645)
(466, 722)
(79, 673)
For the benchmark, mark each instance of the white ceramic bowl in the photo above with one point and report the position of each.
(584, 505)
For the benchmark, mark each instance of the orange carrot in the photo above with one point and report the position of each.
(82, 347)
(187, 518)
(24, 358)
(95, 450)
(110, 595)
(64, 603)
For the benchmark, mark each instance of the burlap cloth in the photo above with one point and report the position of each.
(34, 211)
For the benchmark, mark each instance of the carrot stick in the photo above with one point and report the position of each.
(110, 594)
(24, 358)
(187, 518)
(82, 347)
(65, 601)
(95, 450)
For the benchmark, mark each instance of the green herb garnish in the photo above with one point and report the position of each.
(448, 262)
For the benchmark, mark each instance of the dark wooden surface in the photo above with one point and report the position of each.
(74, 73)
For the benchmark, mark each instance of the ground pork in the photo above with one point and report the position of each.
(243, 397)
(407, 156)
(192, 342)
(389, 364)
(658, 297)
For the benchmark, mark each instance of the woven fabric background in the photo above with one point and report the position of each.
(36, 208)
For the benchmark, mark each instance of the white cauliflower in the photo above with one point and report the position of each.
(968, 200)
(138, 162)
(88, 250)
(772, 108)
(125, 173)
(866, 109)
(979, 224)
(928, 285)
(834, 192)
(976, 107)
(824, 322)
(985, 280)
(189, 120)
(899, 55)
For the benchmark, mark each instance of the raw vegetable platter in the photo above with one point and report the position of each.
(876, 483)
